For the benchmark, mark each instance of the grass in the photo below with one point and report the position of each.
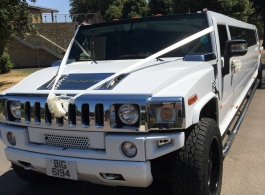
(14, 76)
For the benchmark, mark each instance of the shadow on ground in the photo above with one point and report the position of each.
(5, 83)
(10, 184)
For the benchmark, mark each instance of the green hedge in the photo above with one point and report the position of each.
(5, 62)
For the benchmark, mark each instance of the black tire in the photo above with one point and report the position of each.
(260, 75)
(198, 167)
(32, 176)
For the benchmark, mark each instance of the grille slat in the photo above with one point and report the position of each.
(27, 112)
(37, 113)
(47, 115)
(99, 118)
(66, 141)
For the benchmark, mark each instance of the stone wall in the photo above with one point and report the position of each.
(24, 56)
(59, 33)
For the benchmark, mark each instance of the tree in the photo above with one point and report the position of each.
(88, 6)
(258, 17)
(15, 21)
(114, 11)
(132, 8)
(238, 9)
(163, 7)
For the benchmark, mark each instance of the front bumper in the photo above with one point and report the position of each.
(103, 156)
(137, 174)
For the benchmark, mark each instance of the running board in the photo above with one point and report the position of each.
(232, 134)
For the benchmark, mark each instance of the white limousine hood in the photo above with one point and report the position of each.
(79, 76)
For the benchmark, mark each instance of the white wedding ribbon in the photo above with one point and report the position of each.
(53, 103)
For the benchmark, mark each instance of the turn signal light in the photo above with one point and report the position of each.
(192, 99)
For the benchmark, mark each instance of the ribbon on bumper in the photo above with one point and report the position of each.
(55, 104)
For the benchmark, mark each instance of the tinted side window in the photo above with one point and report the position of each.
(243, 33)
(222, 37)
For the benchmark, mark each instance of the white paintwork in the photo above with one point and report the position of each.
(170, 78)
(153, 150)
(103, 146)
(137, 174)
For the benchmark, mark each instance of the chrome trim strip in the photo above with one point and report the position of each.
(153, 103)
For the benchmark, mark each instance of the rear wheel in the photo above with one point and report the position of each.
(197, 168)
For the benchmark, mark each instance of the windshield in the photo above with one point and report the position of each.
(140, 38)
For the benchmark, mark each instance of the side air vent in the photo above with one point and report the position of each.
(199, 57)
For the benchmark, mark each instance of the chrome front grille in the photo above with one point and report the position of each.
(66, 141)
(89, 113)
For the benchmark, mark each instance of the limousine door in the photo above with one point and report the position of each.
(227, 81)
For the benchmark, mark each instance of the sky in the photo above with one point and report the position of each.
(61, 5)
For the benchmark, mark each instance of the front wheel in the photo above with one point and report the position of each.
(198, 167)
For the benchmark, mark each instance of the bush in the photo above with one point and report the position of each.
(5, 63)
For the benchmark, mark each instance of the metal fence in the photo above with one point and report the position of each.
(77, 18)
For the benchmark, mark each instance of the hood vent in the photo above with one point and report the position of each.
(75, 81)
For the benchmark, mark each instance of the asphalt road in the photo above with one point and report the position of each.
(244, 166)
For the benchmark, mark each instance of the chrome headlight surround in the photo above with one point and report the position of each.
(13, 111)
(165, 113)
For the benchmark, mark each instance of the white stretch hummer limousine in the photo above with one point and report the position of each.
(140, 97)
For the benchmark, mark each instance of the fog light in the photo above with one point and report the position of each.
(11, 138)
(129, 149)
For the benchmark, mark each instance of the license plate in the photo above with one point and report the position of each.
(61, 168)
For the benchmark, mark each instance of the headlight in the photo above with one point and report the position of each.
(165, 115)
(128, 114)
(15, 109)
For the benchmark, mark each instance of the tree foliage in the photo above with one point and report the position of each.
(132, 8)
(15, 21)
(114, 10)
(239, 9)
(163, 7)
(5, 62)
(88, 6)
(258, 18)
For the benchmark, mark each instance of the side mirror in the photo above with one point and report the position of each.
(238, 47)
